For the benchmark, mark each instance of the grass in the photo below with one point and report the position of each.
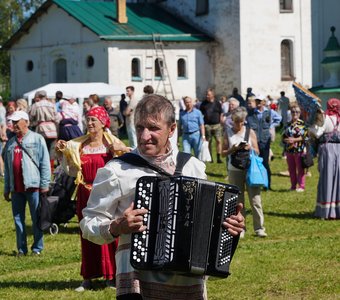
(299, 259)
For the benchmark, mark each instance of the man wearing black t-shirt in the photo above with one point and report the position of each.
(212, 112)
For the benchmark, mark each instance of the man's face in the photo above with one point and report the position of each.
(20, 127)
(153, 135)
(188, 103)
(107, 104)
(232, 105)
(129, 93)
(259, 104)
(210, 96)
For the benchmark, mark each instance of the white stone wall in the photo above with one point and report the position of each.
(122, 53)
(249, 34)
(222, 23)
(263, 28)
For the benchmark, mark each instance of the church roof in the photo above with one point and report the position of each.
(144, 21)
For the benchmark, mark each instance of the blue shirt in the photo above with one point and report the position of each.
(191, 121)
(275, 118)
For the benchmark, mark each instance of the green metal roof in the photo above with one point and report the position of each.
(144, 21)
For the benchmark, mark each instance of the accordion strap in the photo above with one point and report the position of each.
(138, 161)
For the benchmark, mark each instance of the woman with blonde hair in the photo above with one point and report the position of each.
(22, 105)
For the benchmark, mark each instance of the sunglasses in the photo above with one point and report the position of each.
(295, 112)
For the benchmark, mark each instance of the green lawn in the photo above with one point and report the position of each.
(300, 258)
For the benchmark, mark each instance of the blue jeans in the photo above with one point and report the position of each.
(192, 141)
(131, 132)
(18, 208)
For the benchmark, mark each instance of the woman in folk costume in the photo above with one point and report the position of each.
(82, 157)
(70, 120)
(328, 196)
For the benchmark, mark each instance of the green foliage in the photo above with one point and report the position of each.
(299, 259)
(12, 14)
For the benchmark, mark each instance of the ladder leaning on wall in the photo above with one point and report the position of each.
(165, 78)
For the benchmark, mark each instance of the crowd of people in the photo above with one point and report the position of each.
(51, 132)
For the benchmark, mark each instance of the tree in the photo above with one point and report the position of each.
(12, 15)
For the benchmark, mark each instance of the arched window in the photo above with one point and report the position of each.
(181, 68)
(158, 68)
(90, 61)
(286, 5)
(60, 70)
(287, 64)
(135, 69)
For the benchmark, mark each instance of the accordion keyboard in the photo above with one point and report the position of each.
(140, 241)
(226, 239)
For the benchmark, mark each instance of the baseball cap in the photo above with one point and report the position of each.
(260, 97)
(18, 115)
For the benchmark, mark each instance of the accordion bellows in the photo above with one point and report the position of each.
(184, 226)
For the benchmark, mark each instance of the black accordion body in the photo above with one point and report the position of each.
(184, 226)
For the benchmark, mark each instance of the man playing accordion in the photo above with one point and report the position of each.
(110, 212)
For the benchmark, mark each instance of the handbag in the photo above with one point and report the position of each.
(47, 204)
(257, 175)
(241, 158)
(204, 154)
(307, 158)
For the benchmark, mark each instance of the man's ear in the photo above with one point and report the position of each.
(172, 129)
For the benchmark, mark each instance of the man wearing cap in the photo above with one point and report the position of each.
(43, 116)
(27, 172)
(261, 119)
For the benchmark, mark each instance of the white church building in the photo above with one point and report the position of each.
(179, 47)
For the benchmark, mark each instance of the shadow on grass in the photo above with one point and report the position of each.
(215, 175)
(52, 285)
(304, 215)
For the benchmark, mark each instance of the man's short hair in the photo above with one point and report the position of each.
(210, 90)
(157, 107)
(130, 87)
(40, 94)
(282, 93)
(148, 89)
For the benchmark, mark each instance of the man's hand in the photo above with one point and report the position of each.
(6, 197)
(43, 191)
(132, 221)
(235, 223)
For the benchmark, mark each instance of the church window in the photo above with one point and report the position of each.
(135, 69)
(202, 7)
(181, 69)
(60, 70)
(158, 68)
(90, 61)
(287, 64)
(286, 5)
(29, 66)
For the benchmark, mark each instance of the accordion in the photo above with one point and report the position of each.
(184, 226)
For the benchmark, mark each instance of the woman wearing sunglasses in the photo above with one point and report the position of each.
(294, 138)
